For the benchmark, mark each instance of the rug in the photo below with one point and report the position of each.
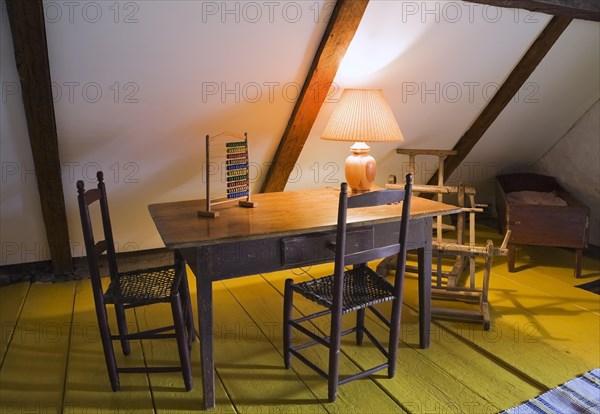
(591, 286)
(577, 396)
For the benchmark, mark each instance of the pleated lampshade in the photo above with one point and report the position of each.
(362, 115)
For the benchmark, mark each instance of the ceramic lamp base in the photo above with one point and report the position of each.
(360, 168)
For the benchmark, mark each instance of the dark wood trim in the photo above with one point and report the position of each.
(340, 30)
(506, 92)
(31, 54)
(575, 9)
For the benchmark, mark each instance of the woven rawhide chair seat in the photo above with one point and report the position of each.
(362, 287)
(143, 288)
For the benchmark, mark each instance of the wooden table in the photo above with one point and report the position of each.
(286, 230)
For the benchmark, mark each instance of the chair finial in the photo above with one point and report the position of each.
(100, 176)
(80, 187)
(344, 187)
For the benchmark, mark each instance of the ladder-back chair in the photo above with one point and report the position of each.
(355, 289)
(133, 289)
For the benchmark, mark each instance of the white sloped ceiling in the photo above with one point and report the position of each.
(138, 85)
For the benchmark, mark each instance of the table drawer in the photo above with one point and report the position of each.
(316, 248)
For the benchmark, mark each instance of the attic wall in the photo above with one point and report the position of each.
(575, 162)
(136, 87)
(138, 84)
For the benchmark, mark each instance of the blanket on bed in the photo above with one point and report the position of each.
(535, 197)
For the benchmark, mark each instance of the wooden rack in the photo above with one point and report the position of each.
(447, 283)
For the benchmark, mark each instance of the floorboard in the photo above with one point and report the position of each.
(168, 389)
(11, 302)
(544, 332)
(87, 384)
(249, 366)
(32, 377)
(427, 380)
(266, 313)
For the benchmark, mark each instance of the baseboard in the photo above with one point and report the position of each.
(41, 272)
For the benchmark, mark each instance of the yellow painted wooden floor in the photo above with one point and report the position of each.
(544, 332)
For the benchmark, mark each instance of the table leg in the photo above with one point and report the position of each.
(424, 262)
(205, 324)
(578, 260)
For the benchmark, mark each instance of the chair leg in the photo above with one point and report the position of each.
(360, 324)
(334, 352)
(395, 321)
(122, 324)
(184, 352)
(287, 316)
(184, 289)
(107, 346)
(394, 335)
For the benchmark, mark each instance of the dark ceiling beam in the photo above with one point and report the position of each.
(506, 92)
(340, 30)
(575, 9)
(28, 30)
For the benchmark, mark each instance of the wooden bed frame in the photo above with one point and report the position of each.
(541, 225)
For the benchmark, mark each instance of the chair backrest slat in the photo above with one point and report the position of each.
(373, 199)
(94, 249)
(376, 198)
(372, 254)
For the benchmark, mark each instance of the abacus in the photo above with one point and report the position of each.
(227, 172)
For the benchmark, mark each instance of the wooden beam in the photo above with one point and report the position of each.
(340, 30)
(506, 92)
(575, 9)
(28, 30)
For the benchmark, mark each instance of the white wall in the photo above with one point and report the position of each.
(443, 67)
(575, 162)
(138, 84)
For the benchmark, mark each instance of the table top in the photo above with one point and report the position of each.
(277, 214)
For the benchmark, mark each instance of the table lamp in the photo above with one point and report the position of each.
(362, 115)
